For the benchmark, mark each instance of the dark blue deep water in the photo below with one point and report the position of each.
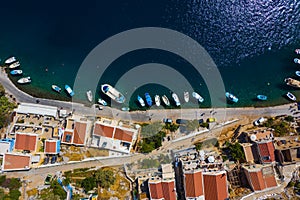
(252, 42)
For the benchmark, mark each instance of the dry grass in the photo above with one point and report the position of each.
(74, 156)
(92, 152)
(32, 192)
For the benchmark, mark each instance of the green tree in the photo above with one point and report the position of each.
(198, 146)
(192, 125)
(66, 181)
(14, 184)
(171, 127)
(14, 194)
(105, 178)
(88, 183)
(58, 190)
(2, 193)
(2, 179)
(2, 90)
(236, 152)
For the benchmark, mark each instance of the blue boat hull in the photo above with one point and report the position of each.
(148, 99)
(262, 97)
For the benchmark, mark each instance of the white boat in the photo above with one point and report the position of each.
(186, 96)
(10, 60)
(165, 100)
(141, 101)
(102, 102)
(24, 80)
(198, 97)
(69, 90)
(16, 72)
(291, 96)
(125, 109)
(176, 99)
(89, 95)
(56, 88)
(113, 93)
(297, 60)
(14, 65)
(157, 100)
(297, 51)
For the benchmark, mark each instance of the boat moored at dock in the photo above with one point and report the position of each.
(56, 88)
(102, 102)
(141, 101)
(297, 60)
(10, 60)
(231, 97)
(16, 72)
(113, 93)
(297, 51)
(14, 65)
(69, 90)
(176, 99)
(198, 97)
(148, 99)
(262, 97)
(89, 95)
(291, 96)
(292, 82)
(157, 100)
(165, 100)
(297, 73)
(24, 80)
(186, 96)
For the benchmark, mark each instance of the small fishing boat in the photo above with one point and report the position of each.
(14, 65)
(24, 80)
(89, 95)
(113, 93)
(69, 90)
(141, 101)
(125, 109)
(297, 73)
(165, 100)
(292, 82)
(198, 97)
(231, 97)
(186, 96)
(297, 51)
(262, 97)
(176, 99)
(16, 72)
(56, 88)
(157, 100)
(291, 96)
(102, 102)
(297, 60)
(148, 99)
(10, 60)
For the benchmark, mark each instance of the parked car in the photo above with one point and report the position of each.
(201, 121)
(181, 121)
(48, 179)
(53, 159)
(167, 120)
(46, 160)
(259, 121)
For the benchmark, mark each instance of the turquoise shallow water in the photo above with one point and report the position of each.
(58, 38)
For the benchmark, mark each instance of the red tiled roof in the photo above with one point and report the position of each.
(79, 133)
(270, 181)
(215, 186)
(65, 135)
(50, 146)
(169, 191)
(25, 142)
(155, 190)
(102, 130)
(267, 149)
(15, 162)
(248, 153)
(257, 180)
(123, 135)
(193, 184)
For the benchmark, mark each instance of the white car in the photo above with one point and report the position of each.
(259, 121)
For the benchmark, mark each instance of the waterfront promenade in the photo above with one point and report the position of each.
(221, 114)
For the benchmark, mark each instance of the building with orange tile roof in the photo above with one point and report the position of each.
(260, 177)
(15, 162)
(247, 147)
(26, 141)
(193, 184)
(52, 146)
(76, 133)
(215, 185)
(265, 151)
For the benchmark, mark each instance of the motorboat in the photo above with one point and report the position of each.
(157, 100)
(231, 97)
(89, 95)
(102, 102)
(165, 100)
(292, 82)
(69, 90)
(125, 109)
(113, 93)
(148, 99)
(291, 96)
(262, 97)
(10, 60)
(14, 65)
(24, 80)
(297, 51)
(176, 99)
(16, 72)
(186, 96)
(56, 88)
(198, 97)
(297, 73)
(141, 101)
(297, 60)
